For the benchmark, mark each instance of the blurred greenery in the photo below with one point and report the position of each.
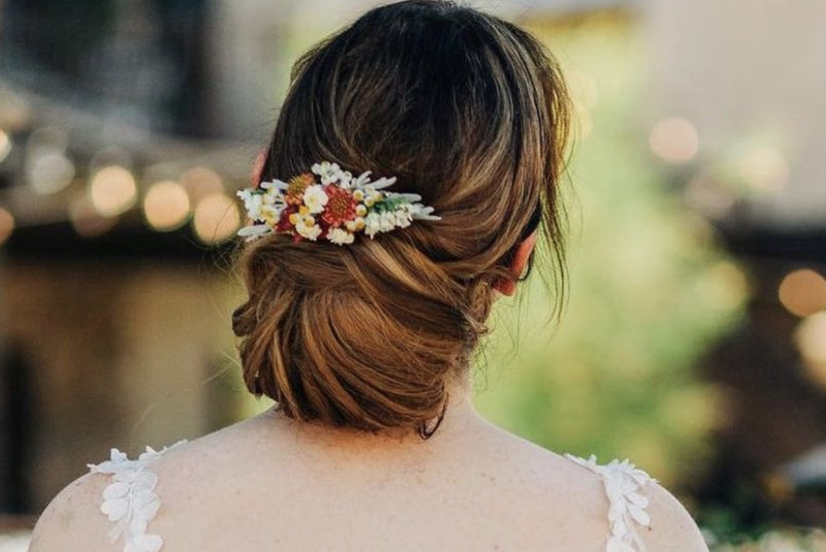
(789, 540)
(648, 288)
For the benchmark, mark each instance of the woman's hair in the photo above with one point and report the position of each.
(468, 111)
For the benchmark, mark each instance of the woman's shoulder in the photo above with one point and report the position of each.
(616, 499)
(72, 520)
(116, 498)
(642, 515)
(562, 502)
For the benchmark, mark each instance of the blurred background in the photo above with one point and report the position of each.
(694, 336)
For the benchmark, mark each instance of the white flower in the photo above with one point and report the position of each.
(372, 224)
(116, 460)
(622, 482)
(339, 236)
(115, 502)
(255, 231)
(274, 197)
(271, 213)
(382, 183)
(275, 185)
(420, 212)
(329, 172)
(252, 203)
(130, 500)
(362, 180)
(387, 221)
(409, 198)
(403, 217)
(256, 202)
(144, 543)
(311, 232)
(315, 198)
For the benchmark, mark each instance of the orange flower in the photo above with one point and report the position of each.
(296, 187)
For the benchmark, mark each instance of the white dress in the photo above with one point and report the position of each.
(130, 501)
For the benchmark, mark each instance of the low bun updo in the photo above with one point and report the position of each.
(466, 110)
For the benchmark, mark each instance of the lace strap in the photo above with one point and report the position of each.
(623, 482)
(130, 500)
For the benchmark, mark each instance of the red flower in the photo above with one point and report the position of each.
(284, 224)
(341, 206)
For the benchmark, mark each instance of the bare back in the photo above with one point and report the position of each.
(269, 484)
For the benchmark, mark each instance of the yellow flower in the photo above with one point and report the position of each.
(296, 187)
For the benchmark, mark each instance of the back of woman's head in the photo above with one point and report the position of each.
(469, 112)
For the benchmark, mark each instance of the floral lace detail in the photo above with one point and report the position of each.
(130, 499)
(622, 481)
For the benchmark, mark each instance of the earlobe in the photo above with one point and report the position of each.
(507, 286)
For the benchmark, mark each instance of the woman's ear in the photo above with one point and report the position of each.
(507, 286)
(258, 167)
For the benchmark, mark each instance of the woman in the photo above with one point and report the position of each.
(414, 164)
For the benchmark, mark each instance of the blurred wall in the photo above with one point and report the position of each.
(750, 76)
(118, 355)
(248, 42)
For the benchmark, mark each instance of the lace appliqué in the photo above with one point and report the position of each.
(622, 481)
(130, 500)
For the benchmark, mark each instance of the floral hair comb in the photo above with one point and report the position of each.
(329, 204)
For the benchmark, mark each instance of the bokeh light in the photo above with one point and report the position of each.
(764, 169)
(200, 182)
(113, 190)
(811, 342)
(709, 196)
(48, 169)
(5, 145)
(6, 225)
(87, 220)
(110, 155)
(15, 110)
(674, 139)
(724, 286)
(216, 218)
(803, 292)
(166, 205)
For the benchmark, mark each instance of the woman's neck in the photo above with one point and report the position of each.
(460, 417)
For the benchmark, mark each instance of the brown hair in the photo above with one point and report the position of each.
(468, 111)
